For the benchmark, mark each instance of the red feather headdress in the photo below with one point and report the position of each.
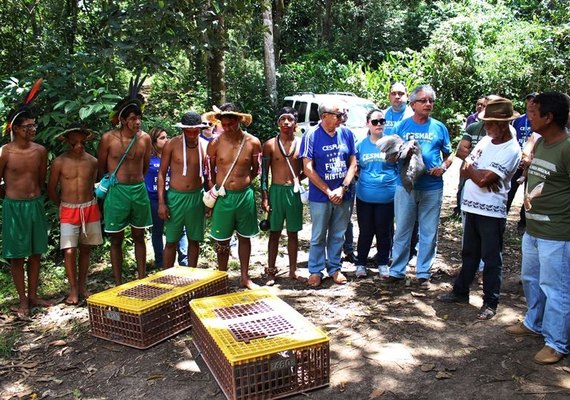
(24, 106)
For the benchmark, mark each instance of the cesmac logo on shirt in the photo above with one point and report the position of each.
(330, 147)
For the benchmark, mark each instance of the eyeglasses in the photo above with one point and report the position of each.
(401, 94)
(424, 101)
(29, 127)
(375, 122)
(338, 115)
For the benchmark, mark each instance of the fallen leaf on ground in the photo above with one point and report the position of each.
(427, 367)
(58, 343)
(341, 386)
(565, 369)
(417, 294)
(154, 376)
(376, 393)
(443, 375)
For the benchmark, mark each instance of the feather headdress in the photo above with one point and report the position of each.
(21, 108)
(134, 98)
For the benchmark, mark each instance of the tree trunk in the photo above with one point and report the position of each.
(279, 11)
(216, 63)
(269, 55)
(326, 33)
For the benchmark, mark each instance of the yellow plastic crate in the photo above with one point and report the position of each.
(258, 347)
(146, 311)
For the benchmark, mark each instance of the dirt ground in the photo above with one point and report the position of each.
(386, 343)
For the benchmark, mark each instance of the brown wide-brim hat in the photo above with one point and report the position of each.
(77, 127)
(500, 109)
(216, 115)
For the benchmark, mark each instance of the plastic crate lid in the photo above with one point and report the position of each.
(155, 290)
(255, 323)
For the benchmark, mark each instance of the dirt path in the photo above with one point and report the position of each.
(386, 343)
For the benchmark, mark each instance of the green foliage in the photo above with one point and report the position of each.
(8, 340)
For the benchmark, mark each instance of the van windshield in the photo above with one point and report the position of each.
(357, 114)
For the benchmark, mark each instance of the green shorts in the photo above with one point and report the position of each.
(235, 211)
(285, 206)
(24, 228)
(186, 210)
(127, 204)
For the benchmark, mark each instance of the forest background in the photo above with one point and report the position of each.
(253, 53)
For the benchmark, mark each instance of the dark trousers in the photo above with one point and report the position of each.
(514, 187)
(374, 219)
(482, 240)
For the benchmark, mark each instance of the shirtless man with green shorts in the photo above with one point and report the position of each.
(127, 202)
(23, 167)
(283, 200)
(235, 209)
(181, 206)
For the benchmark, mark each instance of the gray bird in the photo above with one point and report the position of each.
(395, 149)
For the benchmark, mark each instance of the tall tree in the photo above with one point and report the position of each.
(269, 54)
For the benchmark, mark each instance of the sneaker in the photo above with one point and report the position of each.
(486, 313)
(520, 330)
(383, 271)
(361, 271)
(547, 356)
(451, 297)
(413, 261)
(424, 284)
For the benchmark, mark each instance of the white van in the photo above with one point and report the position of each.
(307, 105)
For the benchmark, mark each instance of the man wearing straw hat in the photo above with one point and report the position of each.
(181, 206)
(488, 171)
(127, 201)
(75, 173)
(23, 167)
(234, 160)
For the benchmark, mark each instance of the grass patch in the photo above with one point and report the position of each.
(8, 340)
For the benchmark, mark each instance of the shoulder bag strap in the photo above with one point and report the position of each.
(125, 154)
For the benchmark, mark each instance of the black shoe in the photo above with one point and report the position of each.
(453, 298)
(424, 284)
(393, 280)
(351, 258)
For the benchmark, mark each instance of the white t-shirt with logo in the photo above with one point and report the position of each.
(502, 159)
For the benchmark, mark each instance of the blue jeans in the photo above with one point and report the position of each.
(329, 224)
(546, 283)
(426, 205)
(156, 234)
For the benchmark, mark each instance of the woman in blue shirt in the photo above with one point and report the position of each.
(375, 190)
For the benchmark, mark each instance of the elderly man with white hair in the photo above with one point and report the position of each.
(424, 200)
(329, 161)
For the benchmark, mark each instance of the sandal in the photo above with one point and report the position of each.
(314, 280)
(486, 313)
(271, 273)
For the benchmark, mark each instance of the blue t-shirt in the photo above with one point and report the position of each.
(523, 129)
(377, 178)
(433, 138)
(151, 178)
(393, 117)
(330, 156)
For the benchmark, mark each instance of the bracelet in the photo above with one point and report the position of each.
(444, 167)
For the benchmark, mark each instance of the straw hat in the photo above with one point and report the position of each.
(77, 127)
(216, 115)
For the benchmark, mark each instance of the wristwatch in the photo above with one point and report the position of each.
(345, 187)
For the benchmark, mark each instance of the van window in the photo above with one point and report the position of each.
(314, 114)
(301, 107)
(288, 103)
